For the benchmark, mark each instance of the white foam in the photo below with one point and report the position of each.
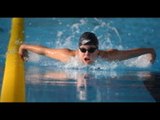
(33, 57)
(142, 61)
(99, 64)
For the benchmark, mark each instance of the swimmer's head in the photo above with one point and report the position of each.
(88, 48)
(88, 38)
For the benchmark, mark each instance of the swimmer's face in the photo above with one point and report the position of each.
(87, 53)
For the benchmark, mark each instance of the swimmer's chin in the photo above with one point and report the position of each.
(88, 62)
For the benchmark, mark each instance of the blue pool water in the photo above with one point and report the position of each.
(47, 80)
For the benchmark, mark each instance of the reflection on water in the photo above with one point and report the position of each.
(48, 85)
(153, 85)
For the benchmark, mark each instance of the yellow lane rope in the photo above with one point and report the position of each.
(13, 84)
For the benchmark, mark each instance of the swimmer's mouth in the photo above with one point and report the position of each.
(87, 59)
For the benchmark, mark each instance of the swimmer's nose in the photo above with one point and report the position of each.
(87, 53)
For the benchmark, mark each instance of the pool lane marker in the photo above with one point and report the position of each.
(13, 84)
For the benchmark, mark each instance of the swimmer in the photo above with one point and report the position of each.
(87, 52)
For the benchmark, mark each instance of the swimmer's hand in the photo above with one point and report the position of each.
(152, 55)
(23, 53)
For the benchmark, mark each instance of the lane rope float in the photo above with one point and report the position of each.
(13, 84)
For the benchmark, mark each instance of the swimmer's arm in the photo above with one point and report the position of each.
(113, 55)
(62, 55)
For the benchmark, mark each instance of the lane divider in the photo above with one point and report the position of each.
(13, 84)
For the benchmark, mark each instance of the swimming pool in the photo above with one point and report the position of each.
(47, 80)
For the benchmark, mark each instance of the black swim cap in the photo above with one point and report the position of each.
(88, 38)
